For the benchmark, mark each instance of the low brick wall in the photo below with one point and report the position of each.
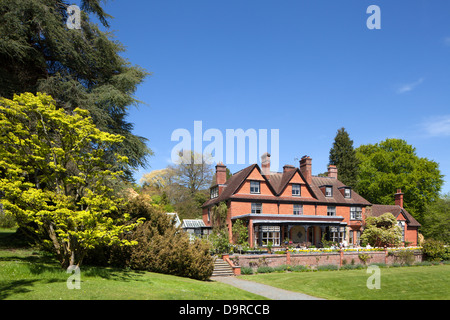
(317, 259)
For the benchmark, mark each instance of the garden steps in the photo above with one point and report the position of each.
(222, 268)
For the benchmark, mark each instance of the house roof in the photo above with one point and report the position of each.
(277, 182)
(379, 209)
(193, 223)
(337, 197)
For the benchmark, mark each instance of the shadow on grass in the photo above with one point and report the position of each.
(15, 287)
(11, 288)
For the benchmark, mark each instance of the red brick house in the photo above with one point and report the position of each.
(295, 205)
(409, 225)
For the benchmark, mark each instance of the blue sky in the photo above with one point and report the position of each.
(304, 67)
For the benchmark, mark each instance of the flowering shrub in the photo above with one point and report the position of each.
(328, 250)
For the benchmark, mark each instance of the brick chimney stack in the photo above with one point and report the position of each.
(306, 168)
(399, 198)
(332, 171)
(221, 173)
(265, 164)
(288, 168)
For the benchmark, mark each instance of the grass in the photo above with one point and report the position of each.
(405, 283)
(29, 275)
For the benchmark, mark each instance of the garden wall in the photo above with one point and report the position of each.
(316, 259)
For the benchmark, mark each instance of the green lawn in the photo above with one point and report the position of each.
(28, 275)
(411, 283)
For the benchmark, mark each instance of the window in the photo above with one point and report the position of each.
(347, 193)
(355, 213)
(256, 207)
(337, 234)
(350, 237)
(296, 190)
(254, 187)
(298, 209)
(358, 236)
(209, 214)
(268, 234)
(214, 192)
(328, 191)
(331, 211)
(401, 224)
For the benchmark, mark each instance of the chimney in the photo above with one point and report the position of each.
(305, 168)
(332, 171)
(399, 198)
(265, 164)
(288, 168)
(221, 173)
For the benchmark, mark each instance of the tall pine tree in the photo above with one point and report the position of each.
(343, 156)
(77, 67)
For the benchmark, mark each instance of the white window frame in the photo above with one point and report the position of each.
(255, 187)
(328, 191)
(299, 210)
(347, 193)
(214, 192)
(331, 209)
(298, 190)
(270, 233)
(255, 208)
(402, 226)
(355, 213)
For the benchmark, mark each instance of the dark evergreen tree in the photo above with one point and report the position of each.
(77, 67)
(343, 156)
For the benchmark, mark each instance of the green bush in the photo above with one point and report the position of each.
(282, 268)
(328, 267)
(352, 267)
(6, 221)
(404, 257)
(161, 247)
(265, 269)
(299, 268)
(246, 270)
(434, 250)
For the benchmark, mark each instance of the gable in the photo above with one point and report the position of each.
(254, 175)
(297, 179)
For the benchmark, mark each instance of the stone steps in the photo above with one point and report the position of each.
(222, 269)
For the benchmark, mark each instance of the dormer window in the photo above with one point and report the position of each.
(255, 187)
(328, 191)
(214, 192)
(296, 190)
(347, 193)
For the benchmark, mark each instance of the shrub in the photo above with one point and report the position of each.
(282, 268)
(162, 247)
(352, 267)
(404, 257)
(246, 270)
(6, 221)
(171, 253)
(434, 250)
(328, 267)
(265, 269)
(299, 268)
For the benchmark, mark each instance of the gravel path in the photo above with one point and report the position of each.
(264, 290)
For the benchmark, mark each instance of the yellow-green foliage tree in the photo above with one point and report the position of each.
(53, 176)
